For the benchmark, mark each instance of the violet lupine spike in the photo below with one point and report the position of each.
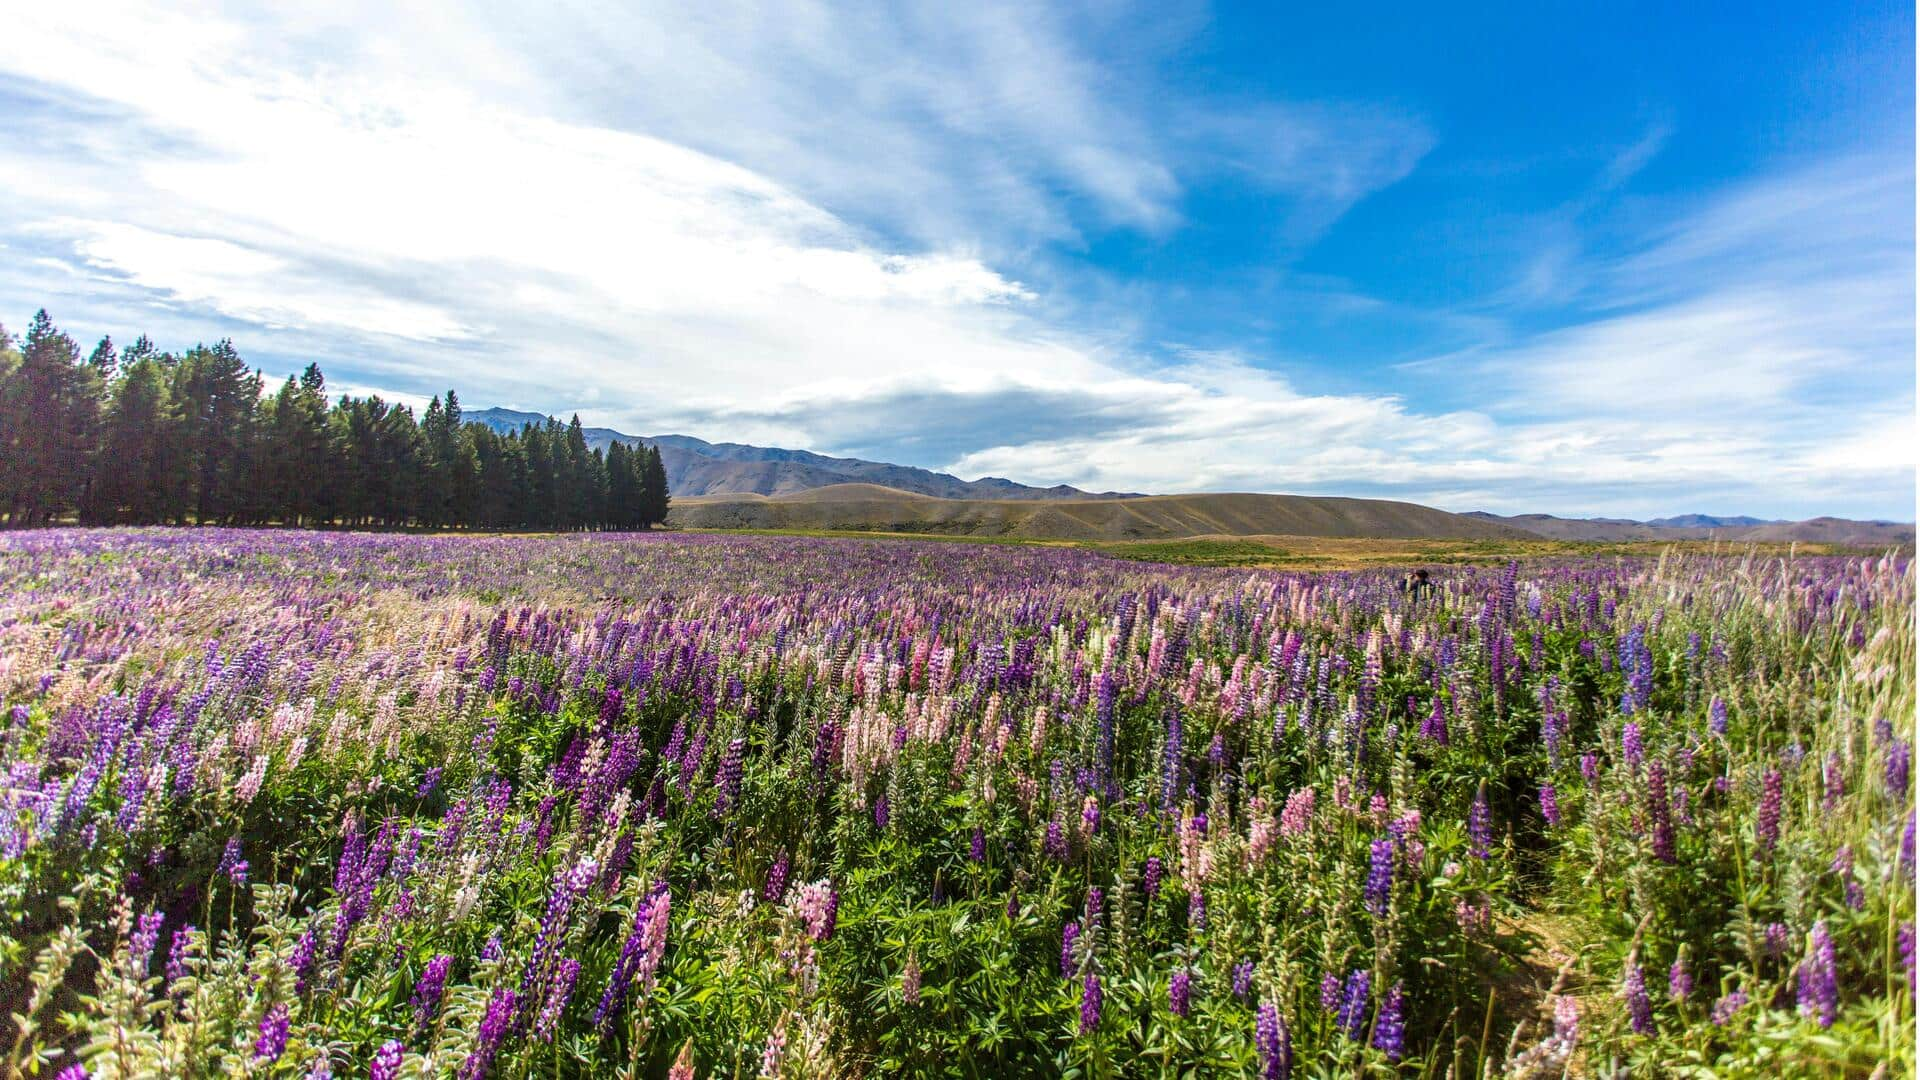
(1330, 992)
(1632, 747)
(1767, 822)
(1379, 887)
(494, 1027)
(1819, 978)
(776, 887)
(387, 1061)
(428, 988)
(1180, 992)
(273, 1034)
(1639, 1005)
(1090, 1003)
(1353, 1003)
(1661, 813)
(1274, 1042)
(1679, 980)
(558, 993)
(1480, 826)
(1390, 1027)
(1904, 939)
(1243, 979)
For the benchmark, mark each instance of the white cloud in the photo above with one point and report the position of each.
(791, 226)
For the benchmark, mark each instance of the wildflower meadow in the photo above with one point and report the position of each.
(297, 804)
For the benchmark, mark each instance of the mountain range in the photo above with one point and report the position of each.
(697, 467)
(735, 485)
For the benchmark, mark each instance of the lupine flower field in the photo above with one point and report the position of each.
(308, 805)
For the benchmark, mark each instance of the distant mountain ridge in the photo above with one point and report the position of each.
(1828, 530)
(697, 467)
(735, 485)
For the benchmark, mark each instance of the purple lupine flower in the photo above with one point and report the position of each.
(1068, 935)
(568, 886)
(776, 887)
(1660, 811)
(1679, 980)
(302, 961)
(977, 847)
(1090, 1002)
(494, 949)
(1196, 909)
(880, 813)
(1480, 825)
(1717, 717)
(1904, 939)
(1775, 939)
(1275, 1043)
(1766, 826)
(640, 956)
(727, 783)
(1632, 747)
(146, 934)
(1055, 844)
(386, 1061)
(1150, 880)
(564, 977)
(273, 1034)
(494, 1027)
(1390, 1028)
(1353, 1003)
(1724, 1009)
(1899, 766)
(1379, 887)
(1330, 992)
(176, 968)
(1549, 804)
(1590, 767)
(428, 782)
(1819, 996)
(75, 1071)
(428, 989)
(1180, 992)
(1906, 843)
(1243, 979)
(1639, 1005)
(231, 864)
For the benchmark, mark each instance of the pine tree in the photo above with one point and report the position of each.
(620, 493)
(138, 468)
(658, 498)
(104, 360)
(220, 403)
(49, 406)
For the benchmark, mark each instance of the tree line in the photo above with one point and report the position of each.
(140, 436)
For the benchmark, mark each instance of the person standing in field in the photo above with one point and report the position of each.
(1416, 586)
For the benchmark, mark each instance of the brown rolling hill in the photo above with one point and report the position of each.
(871, 508)
(1821, 530)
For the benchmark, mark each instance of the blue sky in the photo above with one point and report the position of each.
(1604, 259)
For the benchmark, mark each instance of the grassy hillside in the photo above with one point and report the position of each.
(869, 508)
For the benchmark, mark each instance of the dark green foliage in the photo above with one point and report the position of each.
(138, 436)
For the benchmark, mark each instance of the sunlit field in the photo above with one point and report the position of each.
(298, 804)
